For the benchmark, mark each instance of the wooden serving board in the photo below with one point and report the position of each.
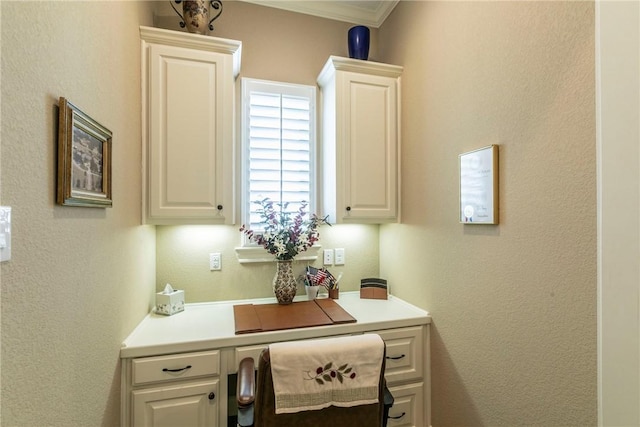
(303, 314)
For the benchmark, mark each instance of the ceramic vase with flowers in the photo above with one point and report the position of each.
(285, 233)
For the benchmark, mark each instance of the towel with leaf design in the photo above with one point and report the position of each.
(315, 374)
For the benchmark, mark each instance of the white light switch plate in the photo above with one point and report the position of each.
(5, 233)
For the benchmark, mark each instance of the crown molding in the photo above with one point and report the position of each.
(362, 12)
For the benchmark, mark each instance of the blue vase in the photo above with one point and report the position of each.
(358, 40)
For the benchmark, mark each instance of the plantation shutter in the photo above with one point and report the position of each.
(280, 138)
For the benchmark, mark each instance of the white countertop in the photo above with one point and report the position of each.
(206, 326)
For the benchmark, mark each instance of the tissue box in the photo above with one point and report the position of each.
(170, 303)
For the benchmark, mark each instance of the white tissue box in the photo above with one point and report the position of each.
(170, 303)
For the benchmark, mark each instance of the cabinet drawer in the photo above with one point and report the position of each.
(408, 406)
(175, 367)
(404, 354)
(252, 351)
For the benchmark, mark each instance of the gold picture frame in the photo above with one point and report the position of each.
(84, 159)
(479, 186)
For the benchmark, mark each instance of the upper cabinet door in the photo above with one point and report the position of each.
(370, 135)
(360, 141)
(188, 130)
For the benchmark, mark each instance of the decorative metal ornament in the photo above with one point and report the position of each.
(195, 14)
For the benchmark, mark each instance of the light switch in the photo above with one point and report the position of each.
(339, 256)
(5, 233)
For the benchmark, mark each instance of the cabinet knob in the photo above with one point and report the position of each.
(219, 207)
(212, 396)
(348, 208)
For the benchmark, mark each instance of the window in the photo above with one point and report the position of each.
(278, 140)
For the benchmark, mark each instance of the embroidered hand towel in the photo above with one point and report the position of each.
(315, 374)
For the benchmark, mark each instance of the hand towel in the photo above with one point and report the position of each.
(315, 374)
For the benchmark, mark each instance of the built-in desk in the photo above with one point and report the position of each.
(175, 369)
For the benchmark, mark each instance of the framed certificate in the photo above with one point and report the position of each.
(479, 186)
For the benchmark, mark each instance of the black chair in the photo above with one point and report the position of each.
(256, 402)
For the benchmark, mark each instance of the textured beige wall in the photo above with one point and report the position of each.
(183, 261)
(513, 305)
(80, 279)
(281, 46)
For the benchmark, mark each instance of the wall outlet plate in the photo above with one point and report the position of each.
(5, 233)
(215, 263)
(328, 257)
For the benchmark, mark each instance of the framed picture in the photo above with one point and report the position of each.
(479, 186)
(84, 159)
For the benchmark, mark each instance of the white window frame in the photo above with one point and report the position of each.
(249, 251)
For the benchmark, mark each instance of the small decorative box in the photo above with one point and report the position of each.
(170, 301)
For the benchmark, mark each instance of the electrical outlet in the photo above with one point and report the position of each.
(214, 261)
(5, 233)
(339, 256)
(328, 257)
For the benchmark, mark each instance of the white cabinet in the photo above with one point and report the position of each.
(175, 390)
(186, 405)
(405, 370)
(179, 370)
(408, 406)
(360, 141)
(188, 133)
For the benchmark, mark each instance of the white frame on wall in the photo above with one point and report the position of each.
(479, 186)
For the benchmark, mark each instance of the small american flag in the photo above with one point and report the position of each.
(321, 276)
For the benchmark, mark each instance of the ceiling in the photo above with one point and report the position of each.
(371, 13)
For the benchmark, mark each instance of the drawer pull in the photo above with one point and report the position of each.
(398, 417)
(212, 396)
(177, 370)
(395, 357)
